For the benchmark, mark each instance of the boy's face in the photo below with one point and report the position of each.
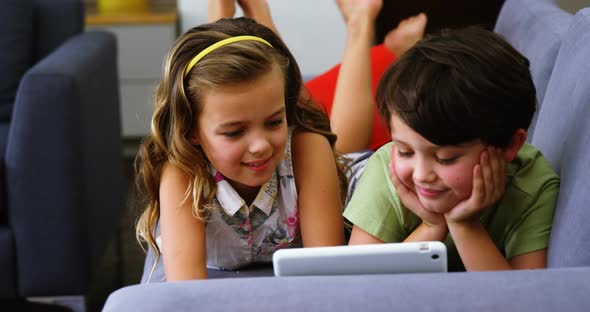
(441, 176)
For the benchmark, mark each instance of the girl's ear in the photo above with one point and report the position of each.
(516, 142)
(194, 139)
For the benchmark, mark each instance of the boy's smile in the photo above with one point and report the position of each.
(429, 193)
(243, 130)
(441, 176)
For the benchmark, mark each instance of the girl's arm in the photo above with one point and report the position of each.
(182, 234)
(479, 253)
(316, 179)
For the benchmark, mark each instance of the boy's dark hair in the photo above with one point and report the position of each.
(458, 86)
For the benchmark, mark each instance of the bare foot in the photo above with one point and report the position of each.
(259, 11)
(217, 9)
(406, 34)
(350, 8)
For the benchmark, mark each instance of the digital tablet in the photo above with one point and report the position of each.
(418, 257)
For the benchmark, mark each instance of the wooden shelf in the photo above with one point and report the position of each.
(156, 14)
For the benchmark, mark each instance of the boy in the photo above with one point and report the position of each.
(458, 169)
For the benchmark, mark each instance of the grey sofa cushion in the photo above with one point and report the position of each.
(535, 28)
(526, 290)
(16, 49)
(564, 138)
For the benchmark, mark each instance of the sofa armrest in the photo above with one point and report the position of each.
(64, 175)
(534, 290)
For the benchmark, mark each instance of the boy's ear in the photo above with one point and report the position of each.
(516, 142)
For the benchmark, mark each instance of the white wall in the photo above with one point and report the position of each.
(313, 30)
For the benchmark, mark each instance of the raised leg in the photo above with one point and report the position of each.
(218, 9)
(352, 110)
(259, 11)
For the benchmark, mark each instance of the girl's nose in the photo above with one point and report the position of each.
(260, 144)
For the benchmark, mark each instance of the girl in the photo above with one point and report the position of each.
(237, 165)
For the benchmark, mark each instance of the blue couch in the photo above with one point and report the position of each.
(560, 58)
(61, 171)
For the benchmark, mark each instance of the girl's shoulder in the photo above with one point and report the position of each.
(171, 171)
(309, 145)
(301, 135)
(311, 152)
(173, 178)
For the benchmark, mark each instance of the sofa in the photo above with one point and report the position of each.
(61, 171)
(560, 58)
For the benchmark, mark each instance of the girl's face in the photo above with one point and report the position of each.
(441, 176)
(243, 130)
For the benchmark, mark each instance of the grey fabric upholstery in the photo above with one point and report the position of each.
(535, 28)
(63, 175)
(565, 141)
(536, 290)
(566, 93)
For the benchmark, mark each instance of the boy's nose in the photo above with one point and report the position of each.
(423, 173)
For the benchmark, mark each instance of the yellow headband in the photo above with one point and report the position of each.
(219, 44)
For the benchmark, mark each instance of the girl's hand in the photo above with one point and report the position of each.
(410, 199)
(489, 178)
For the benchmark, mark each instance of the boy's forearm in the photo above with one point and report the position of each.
(476, 249)
(426, 232)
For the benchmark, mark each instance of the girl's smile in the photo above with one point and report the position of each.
(260, 165)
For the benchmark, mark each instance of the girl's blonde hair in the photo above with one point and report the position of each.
(178, 106)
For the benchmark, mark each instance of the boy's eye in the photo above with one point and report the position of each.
(446, 161)
(404, 154)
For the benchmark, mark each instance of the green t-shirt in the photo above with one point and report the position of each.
(520, 222)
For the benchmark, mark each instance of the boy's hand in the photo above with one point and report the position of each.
(410, 199)
(489, 178)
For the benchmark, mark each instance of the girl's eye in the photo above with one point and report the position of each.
(446, 161)
(232, 134)
(276, 123)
